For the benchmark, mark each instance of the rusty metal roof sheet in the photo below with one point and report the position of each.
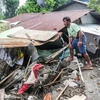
(48, 21)
(5, 41)
(11, 38)
(23, 17)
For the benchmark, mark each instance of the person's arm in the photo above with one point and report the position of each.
(80, 38)
(79, 34)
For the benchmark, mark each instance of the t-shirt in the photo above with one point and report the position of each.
(73, 30)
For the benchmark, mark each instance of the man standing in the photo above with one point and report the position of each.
(79, 41)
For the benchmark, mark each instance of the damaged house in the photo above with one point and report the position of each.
(33, 54)
(90, 21)
(53, 22)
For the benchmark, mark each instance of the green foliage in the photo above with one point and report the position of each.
(32, 6)
(22, 9)
(95, 4)
(1, 12)
(60, 3)
(11, 8)
(1, 16)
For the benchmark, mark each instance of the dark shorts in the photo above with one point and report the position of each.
(82, 48)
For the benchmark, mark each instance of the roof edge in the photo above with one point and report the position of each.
(69, 3)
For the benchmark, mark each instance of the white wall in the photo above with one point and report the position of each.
(88, 19)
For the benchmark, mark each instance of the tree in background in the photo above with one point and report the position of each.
(60, 3)
(22, 9)
(1, 10)
(95, 4)
(32, 6)
(11, 8)
(1, 16)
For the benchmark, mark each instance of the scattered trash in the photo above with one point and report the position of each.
(32, 98)
(73, 85)
(32, 78)
(74, 75)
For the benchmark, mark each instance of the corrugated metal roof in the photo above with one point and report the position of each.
(93, 29)
(4, 34)
(11, 38)
(23, 17)
(5, 41)
(34, 35)
(48, 21)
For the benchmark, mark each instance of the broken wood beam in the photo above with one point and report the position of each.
(51, 57)
(28, 65)
(69, 81)
(8, 76)
(20, 77)
(80, 71)
(56, 77)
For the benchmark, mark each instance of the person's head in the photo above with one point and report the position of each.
(67, 21)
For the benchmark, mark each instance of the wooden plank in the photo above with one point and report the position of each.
(9, 76)
(63, 89)
(80, 71)
(56, 77)
(52, 56)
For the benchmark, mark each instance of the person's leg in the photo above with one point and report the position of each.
(74, 44)
(89, 63)
(70, 58)
(83, 51)
(71, 54)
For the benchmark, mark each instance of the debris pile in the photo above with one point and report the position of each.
(37, 72)
(50, 79)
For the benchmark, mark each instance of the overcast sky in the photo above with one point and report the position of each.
(22, 2)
